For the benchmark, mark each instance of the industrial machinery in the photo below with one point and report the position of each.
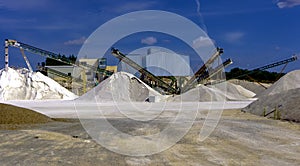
(284, 62)
(207, 75)
(25, 47)
(155, 81)
(47, 54)
(147, 76)
(166, 84)
(275, 64)
(203, 73)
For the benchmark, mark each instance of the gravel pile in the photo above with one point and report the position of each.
(125, 87)
(289, 81)
(252, 86)
(220, 92)
(284, 94)
(120, 87)
(200, 94)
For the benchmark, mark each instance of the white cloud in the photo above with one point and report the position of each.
(76, 41)
(287, 3)
(233, 37)
(149, 40)
(202, 42)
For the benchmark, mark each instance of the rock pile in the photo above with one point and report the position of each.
(284, 94)
(20, 84)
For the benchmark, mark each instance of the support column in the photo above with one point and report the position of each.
(6, 54)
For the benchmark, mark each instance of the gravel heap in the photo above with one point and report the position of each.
(119, 87)
(284, 94)
(220, 92)
(252, 86)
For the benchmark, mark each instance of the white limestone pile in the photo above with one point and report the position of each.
(120, 87)
(20, 84)
(220, 92)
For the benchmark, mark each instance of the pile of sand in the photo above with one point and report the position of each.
(15, 115)
(252, 86)
(20, 84)
(120, 86)
(220, 92)
(284, 94)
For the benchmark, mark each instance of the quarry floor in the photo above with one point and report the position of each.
(239, 139)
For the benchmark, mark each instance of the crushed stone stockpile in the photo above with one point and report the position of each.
(284, 94)
(121, 86)
(15, 115)
(220, 92)
(289, 81)
(21, 85)
(287, 103)
(200, 94)
(233, 92)
(252, 86)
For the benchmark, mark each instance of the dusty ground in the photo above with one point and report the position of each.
(239, 139)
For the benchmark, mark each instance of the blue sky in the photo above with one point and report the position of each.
(252, 32)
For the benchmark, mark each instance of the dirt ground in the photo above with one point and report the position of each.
(239, 139)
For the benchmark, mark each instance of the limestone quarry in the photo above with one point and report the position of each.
(53, 129)
(149, 83)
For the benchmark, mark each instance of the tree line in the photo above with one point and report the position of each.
(253, 75)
